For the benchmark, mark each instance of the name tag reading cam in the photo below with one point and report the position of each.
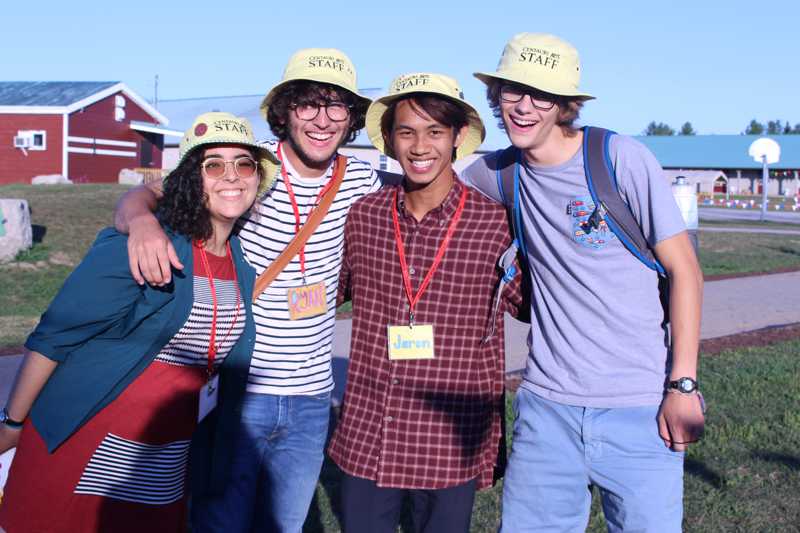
(307, 301)
(406, 342)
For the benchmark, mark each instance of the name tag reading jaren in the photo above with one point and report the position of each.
(307, 301)
(407, 342)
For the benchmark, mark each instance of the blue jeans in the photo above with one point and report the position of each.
(559, 450)
(278, 454)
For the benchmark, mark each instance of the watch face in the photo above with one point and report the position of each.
(686, 385)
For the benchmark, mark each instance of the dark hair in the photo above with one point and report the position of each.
(184, 206)
(441, 109)
(305, 92)
(569, 107)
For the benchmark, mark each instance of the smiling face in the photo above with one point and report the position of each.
(229, 196)
(527, 126)
(423, 146)
(314, 142)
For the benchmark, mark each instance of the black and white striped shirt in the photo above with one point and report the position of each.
(294, 356)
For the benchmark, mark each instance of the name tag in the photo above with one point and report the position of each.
(307, 301)
(208, 397)
(406, 342)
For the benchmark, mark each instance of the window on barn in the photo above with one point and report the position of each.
(32, 139)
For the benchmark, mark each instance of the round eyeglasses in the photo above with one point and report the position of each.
(512, 94)
(243, 167)
(336, 111)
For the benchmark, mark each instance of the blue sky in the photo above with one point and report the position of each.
(717, 64)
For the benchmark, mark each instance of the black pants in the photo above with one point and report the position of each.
(367, 508)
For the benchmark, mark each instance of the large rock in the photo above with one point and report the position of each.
(130, 177)
(15, 228)
(51, 179)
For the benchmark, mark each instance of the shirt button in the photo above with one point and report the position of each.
(388, 418)
(441, 222)
(395, 381)
(412, 271)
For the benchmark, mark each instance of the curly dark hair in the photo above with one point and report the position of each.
(305, 92)
(569, 107)
(184, 205)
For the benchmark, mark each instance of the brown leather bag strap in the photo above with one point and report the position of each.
(312, 222)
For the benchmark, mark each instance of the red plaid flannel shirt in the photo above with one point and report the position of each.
(424, 424)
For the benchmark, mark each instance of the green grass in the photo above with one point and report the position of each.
(735, 253)
(744, 475)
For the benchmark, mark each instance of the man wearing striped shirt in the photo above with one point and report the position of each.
(279, 448)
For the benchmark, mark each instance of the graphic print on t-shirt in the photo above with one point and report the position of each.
(588, 229)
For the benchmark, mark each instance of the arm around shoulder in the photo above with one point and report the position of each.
(151, 255)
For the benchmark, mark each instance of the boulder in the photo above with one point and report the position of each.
(51, 179)
(16, 233)
(130, 177)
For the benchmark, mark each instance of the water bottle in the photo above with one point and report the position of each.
(684, 194)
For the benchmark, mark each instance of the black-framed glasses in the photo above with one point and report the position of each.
(336, 111)
(512, 94)
(243, 166)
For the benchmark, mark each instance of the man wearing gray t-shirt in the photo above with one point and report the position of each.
(610, 393)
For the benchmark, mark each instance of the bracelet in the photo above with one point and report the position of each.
(8, 421)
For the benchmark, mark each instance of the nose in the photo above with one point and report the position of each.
(420, 145)
(322, 120)
(525, 105)
(230, 171)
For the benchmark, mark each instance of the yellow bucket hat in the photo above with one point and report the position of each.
(323, 65)
(428, 83)
(541, 61)
(224, 128)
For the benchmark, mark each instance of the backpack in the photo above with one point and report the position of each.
(609, 206)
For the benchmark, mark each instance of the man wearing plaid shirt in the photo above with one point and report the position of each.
(423, 405)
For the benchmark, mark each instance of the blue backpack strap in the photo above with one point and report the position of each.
(609, 205)
(508, 163)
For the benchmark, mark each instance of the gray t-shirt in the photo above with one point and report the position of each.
(596, 338)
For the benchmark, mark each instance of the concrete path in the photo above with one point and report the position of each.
(730, 306)
(744, 229)
(724, 213)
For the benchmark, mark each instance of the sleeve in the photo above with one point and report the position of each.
(481, 174)
(375, 181)
(343, 293)
(96, 295)
(644, 187)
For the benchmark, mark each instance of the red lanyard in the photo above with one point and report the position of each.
(212, 340)
(412, 298)
(296, 209)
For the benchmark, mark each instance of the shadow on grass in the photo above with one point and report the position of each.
(695, 468)
(782, 458)
(38, 232)
(785, 250)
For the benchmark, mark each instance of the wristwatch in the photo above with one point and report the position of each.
(683, 385)
(10, 422)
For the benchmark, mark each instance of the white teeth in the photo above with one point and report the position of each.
(230, 193)
(422, 164)
(319, 136)
(521, 122)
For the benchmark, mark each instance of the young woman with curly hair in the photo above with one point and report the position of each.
(119, 376)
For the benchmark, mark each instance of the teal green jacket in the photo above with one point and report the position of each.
(104, 329)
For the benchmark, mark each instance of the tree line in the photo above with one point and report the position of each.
(773, 127)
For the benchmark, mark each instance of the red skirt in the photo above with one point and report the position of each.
(123, 471)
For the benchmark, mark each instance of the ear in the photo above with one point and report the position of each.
(460, 136)
(387, 146)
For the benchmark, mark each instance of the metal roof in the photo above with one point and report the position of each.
(718, 151)
(49, 93)
(182, 112)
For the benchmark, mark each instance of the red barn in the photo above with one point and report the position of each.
(86, 131)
